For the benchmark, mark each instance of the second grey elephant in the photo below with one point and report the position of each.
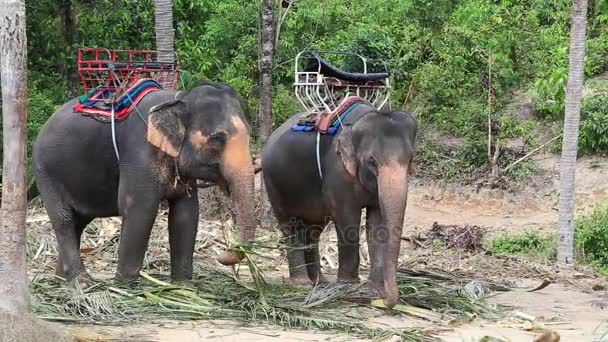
(365, 165)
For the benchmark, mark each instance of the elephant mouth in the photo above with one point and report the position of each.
(219, 181)
(204, 184)
(206, 174)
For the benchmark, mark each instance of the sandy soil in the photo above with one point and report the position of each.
(570, 308)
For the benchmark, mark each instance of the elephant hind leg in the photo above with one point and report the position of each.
(294, 237)
(311, 254)
(82, 276)
(68, 227)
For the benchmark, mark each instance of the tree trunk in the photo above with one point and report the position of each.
(163, 19)
(14, 295)
(266, 50)
(69, 35)
(571, 122)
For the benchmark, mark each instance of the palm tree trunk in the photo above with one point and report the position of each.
(266, 50)
(69, 36)
(163, 19)
(14, 295)
(571, 122)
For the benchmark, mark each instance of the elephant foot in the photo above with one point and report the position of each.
(366, 290)
(372, 289)
(82, 281)
(348, 279)
(376, 278)
(321, 279)
(122, 280)
(180, 280)
(300, 280)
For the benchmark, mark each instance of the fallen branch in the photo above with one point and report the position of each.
(414, 240)
(530, 153)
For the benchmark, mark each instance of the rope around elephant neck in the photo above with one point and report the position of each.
(128, 95)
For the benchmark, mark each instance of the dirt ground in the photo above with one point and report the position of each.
(568, 306)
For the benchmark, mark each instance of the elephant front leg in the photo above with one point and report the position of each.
(347, 223)
(183, 225)
(138, 216)
(377, 235)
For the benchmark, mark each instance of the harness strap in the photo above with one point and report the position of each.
(319, 155)
(114, 133)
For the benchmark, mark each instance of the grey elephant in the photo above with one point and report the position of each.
(364, 165)
(174, 139)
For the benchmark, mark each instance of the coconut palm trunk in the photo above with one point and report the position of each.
(266, 51)
(571, 127)
(163, 19)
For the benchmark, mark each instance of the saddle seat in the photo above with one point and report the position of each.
(329, 70)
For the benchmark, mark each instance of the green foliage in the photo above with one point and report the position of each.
(528, 243)
(593, 136)
(460, 164)
(591, 237)
(552, 93)
(437, 50)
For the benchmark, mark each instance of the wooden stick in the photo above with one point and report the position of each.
(530, 153)
(490, 106)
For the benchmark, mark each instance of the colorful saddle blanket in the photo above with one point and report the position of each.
(123, 105)
(328, 123)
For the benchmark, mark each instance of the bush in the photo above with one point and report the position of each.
(591, 237)
(529, 243)
(593, 137)
(590, 241)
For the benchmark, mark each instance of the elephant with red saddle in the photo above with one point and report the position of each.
(170, 142)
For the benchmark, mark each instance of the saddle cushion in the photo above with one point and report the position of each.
(102, 110)
(328, 123)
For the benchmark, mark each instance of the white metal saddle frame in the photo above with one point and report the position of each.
(317, 92)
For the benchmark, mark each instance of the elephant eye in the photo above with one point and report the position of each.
(372, 161)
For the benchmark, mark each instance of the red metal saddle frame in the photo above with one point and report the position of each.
(114, 70)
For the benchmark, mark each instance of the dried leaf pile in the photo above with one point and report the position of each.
(467, 237)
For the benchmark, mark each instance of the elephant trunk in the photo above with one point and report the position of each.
(392, 194)
(237, 168)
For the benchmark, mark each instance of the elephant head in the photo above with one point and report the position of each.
(377, 151)
(205, 132)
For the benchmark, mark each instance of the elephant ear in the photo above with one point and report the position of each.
(346, 150)
(165, 128)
